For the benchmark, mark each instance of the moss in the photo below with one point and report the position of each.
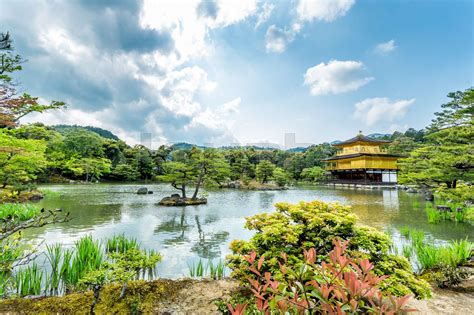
(77, 303)
(140, 297)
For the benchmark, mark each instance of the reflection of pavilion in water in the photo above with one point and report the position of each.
(370, 208)
(207, 245)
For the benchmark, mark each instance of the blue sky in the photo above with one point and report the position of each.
(243, 71)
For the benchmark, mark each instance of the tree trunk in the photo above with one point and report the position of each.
(198, 184)
(454, 183)
(183, 190)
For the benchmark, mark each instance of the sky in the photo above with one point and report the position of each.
(224, 72)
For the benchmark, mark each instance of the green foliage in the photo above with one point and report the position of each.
(305, 225)
(447, 156)
(12, 105)
(121, 244)
(313, 174)
(17, 212)
(20, 160)
(215, 270)
(340, 285)
(280, 177)
(28, 280)
(449, 276)
(264, 171)
(87, 264)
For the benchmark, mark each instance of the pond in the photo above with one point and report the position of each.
(183, 235)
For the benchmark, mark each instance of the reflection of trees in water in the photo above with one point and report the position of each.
(266, 199)
(177, 226)
(208, 245)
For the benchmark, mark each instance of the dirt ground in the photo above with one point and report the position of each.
(459, 301)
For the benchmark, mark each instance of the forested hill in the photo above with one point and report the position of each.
(62, 129)
(91, 153)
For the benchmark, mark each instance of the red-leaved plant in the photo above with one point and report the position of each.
(340, 286)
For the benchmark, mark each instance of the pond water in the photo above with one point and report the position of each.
(183, 235)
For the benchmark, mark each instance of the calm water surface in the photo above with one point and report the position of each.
(183, 235)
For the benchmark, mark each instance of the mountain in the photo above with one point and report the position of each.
(101, 132)
(185, 146)
(381, 136)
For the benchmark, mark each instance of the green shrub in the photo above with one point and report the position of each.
(342, 285)
(292, 228)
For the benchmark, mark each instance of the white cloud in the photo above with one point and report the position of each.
(140, 74)
(267, 9)
(385, 48)
(189, 29)
(336, 77)
(373, 110)
(323, 10)
(276, 39)
(179, 88)
(397, 127)
(231, 106)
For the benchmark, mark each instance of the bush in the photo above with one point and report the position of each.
(292, 228)
(342, 285)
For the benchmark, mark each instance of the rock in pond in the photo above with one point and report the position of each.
(177, 200)
(142, 191)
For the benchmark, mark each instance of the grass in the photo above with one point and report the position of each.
(196, 270)
(120, 243)
(28, 280)
(407, 251)
(428, 257)
(434, 216)
(454, 254)
(88, 257)
(53, 255)
(405, 231)
(18, 212)
(216, 271)
(417, 237)
(213, 270)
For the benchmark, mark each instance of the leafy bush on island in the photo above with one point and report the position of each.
(336, 285)
(292, 228)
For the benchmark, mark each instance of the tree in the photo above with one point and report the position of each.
(264, 171)
(12, 106)
(448, 155)
(124, 172)
(91, 168)
(82, 143)
(20, 160)
(209, 165)
(144, 162)
(280, 177)
(313, 174)
(458, 112)
(179, 174)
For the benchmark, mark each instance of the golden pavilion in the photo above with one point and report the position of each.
(362, 160)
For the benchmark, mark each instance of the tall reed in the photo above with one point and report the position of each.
(18, 212)
(88, 256)
(120, 243)
(216, 271)
(53, 255)
(196, 270)
(28, 280)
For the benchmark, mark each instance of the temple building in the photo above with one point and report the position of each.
(362, 160)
